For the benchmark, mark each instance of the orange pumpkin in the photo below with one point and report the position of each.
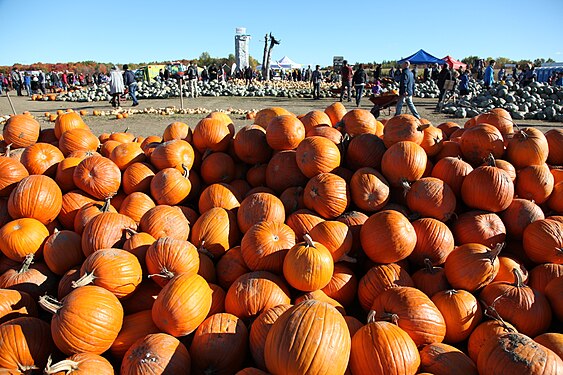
(283, 171)
(13, 172)
(213, 134)
(534, 183)
(173, 154)
(135, 326)
(430, 279)
(177, 130)
(434, 242)
(82, 363)
(41, 158)
(168, 257)
(105, 231)
(461, 311)
(452, 170)
(528, 146)
(403, 128)
(431, 197)
(481, 141)
(135, 205)
(15, 304)
(68, 121)
(403, 161)
(327, 194)
(380, 278)
(440, 358)
(488, 188)
(78, 139)
(359, 121)
(157, 353)
(554, 139)
(485, 228)
(264, 116)
(22, 237)
(62, 251)
(259, 207)
(484, 332)
(97, 176)
(365, 150)
(126, 154)
(170, 186)
(543, 241)
(250, 145)
(165, 221)
(472, 266)
(218, 195)
(36, 196)
(137, 177)
(519, 215)
(21, 131)
(335, 112)
(265, 245)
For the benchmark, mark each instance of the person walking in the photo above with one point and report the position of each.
(16, 81)
(248, 75)
(359, 79)
(489, 76)
(27, 83)
(316, 79)
(116, 86)
(193, 77)
(406, 90)
(131, 83)
(464, 83)
(42, 82)
(346, 74)
(444, 75)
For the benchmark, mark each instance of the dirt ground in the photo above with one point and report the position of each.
(153, 124)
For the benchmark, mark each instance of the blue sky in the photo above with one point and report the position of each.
(311, 32)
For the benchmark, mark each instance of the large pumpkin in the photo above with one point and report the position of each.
(285, 132)
(327, 194)
(41, 158)
(481, 141)
(534, 183)
(97, 176)
(434, 242)
(472, 266)
(135, 205)
(380, 278)
(528, 146)
(403, 128)
(485, 228)
(265, 245)
(218, 195)
(107, 230)
(317, 155)
(283, 171)
(250, 145)
(137, 177)
(259, 332)
(22, 237)
(335, 112)
(212, 134)
(62, 251)
(442, 359)
(168, 257)
(452, 170)
(335, 236)
(314, 119)
(487, 188)
(215, 232)
(78, 139)
(21, 131)
(37, 197)
(67, 121)
(461, 311)
(369, 189)
(403, 161)
(519, 215)
(359, 121)
(554, 139)
(431, 197)
(170, 186)
(13, 172)
(543, 241)
(365, 150)
(14, 304)
(135, 326)
(80, 364)
(259, 207)
(264, 116)
(165, 221)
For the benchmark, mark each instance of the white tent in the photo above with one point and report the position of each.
(287, 63)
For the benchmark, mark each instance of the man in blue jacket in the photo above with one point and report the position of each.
(131, 83)
(406, 90)
(489, 77)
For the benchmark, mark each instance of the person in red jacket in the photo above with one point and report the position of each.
(346, 73)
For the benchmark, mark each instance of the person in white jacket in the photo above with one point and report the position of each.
(116, 86)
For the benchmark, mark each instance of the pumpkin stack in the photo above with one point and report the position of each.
(328, 242)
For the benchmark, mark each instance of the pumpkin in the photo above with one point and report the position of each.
(90, 211)
(259, 207)
(67, 121)
(315, 119)
(452, 170)
(387, 237)
(481, 227)
(328, 132)
(142, 298)
(555, 202)
(218, 195)
(135, 205)
(206, 269)
(21, 131)
(554, 139)
(414, 311)
(403, 128)
(553, 294)
(430, 279)
(433, 140)
(135, 326)
(13, 172)
(173, 154)
(65, 172)
(177, 130)
(434, 241)
(481, 141)
(369, 189)
(292, 199)
(403, 161)
(213, 134)
(322, 331)
(217, 299)
(498, 117)
(302, 221)
(517, 354)
(137, 244)
(254, 292)
(484, 332)
(170, 186)
(259, 332)
(32, 278)
(137, 177)
(265, 245)
(327, 194)
(41, 158)
(343, 285)
(215, 232)
(317, 155)
(383, 348)
(442, 359)
(78, 139)
(284, 132)
(37, 197)
(86, 320)
(552, 341)
(105, 231)
(78, 364)
(507, 264)
(487, 188)
(62, 251)
(219, 345)
(230, 267)
(380, 278)
(319, 295)
(218, 167)
(365, 150)
(25, 344)
(250, 145)
(168, 257)
(107, 147)
(126, 154)
(283, 171)
(15, 304)
(525, 308)
(335, 236)
(264, 116)
(542, 274)
(22, 237)
(534, 183)
(182, 304)
(359, 121)
(431, 197)
(504, 165)
(308, 266)
(335, 112)
(519, 215)
(472, 266)
(157, 353)
(122, 137)
(97, 176)
(528, 146)
(543, 241)
(461, 311)
(165, 221)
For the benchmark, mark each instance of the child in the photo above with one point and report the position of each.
(376, 89)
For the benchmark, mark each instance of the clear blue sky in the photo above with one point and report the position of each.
(311, 32)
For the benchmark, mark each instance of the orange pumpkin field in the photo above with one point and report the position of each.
(322, 243)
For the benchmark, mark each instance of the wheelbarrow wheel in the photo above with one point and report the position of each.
(375, 111)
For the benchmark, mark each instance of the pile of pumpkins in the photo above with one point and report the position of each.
(324, 243)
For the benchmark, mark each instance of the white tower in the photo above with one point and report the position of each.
(242, 41)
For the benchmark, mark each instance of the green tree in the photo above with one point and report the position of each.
(539, 61)
(550, 60)
(205, 59)
(470, 59)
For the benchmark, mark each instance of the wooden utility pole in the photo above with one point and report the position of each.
(267, 55)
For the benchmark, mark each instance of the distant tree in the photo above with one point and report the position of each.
(550, 60)
(205, 59)
(523, 62)
(502, 61)
(253, 62)
(470, 59)
(539, 61)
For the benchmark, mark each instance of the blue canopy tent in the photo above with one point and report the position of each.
(422, 57)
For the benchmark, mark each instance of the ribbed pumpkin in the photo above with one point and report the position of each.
(230, 267)
(308, 265)
(115, 270)
(90, 211)
(517, 353)
(403, 161)
(137, 177)
(480, 141)
(255, 292)
(441, 359)
(365, 150)
(555, 202)
(403, 128)
(65, 172)
(528, 146)
(485, 228)
(264, 116)
(250, 145)
(431, 197)
(22, 237)
(213, 134)
(554, 139)
(507, 265)
(170, 186)
(182, 304)
(106, 231)
(343, 285)
(383, 348)
(135, 327)
(41, 158)
(430, 280)
(552, 341)
(543, 241)
(177, 130)
(21, 131)
(292, 199)
(461, 311)
(303, 221)
(499, 118)
(359, 121)
(335, 112)
(79, 325)
(484, 332)
(259, 207)
(534, 183)
(165, 221)
(135, 205)
(80, 364)
(414, 311)
(126, 154)
(62, 251)
(387, 237)
(452, 170)
(283, 171)
(285, 132)
(219, 345)
(369, 189)
(525, 308)
(37, 197)
(315, 118)
(327, 194)
(32, 278)
(78, 139)
(13, 172)
(217, 167)
(433, 140)
(504, 165)
(107, 147)
(157, 353)
(67, 121)
(215, 232)
(173, 154)
(553, 292)
(218, 195)
(542, 274)
(434, 241)
(169, 257)
(472, 266)
(97, 176)
(307, 336)
(335, 236)
(25, 344)
(317, 155)
(380, 278)
(519, 215)
(487, 188)
(319, 295)
(265, 245)
(259, 332)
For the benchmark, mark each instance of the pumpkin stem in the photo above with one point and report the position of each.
(126, 130)
(308, 240)
(107, 204)
(8, 150)
(202, 249)
(131, 232)
(422, 127)
(371, 316)
(50, 304)
(496, 251)
(491, 160)
(519, 282)
(406, 186)
(84, 280)
(492, 313)
(26, 263)
(164, 272)
(450, 292)
(67, 366)
(429, 266)
(206, 154)
(347, 258)
(186, 173)
(26, 369)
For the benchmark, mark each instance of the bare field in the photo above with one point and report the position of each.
(153, 124)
